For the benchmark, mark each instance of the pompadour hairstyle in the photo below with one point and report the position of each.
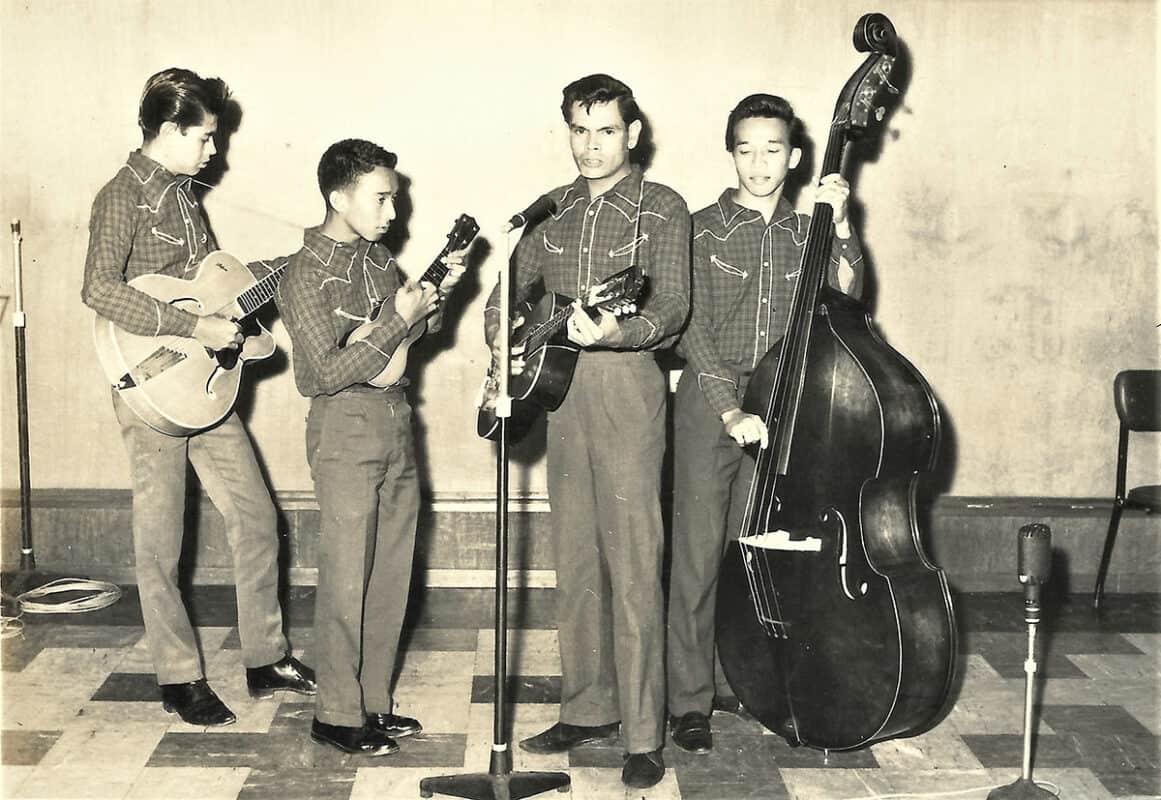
(600, 88)
(180, 96)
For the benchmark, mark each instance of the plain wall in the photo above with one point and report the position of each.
(1010, 215)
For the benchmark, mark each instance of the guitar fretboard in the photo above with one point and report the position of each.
(261, 292)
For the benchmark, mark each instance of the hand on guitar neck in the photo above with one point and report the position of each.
(605, 330)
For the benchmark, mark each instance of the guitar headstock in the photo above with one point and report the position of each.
(462, 233)
(859, 103)
(617, 292)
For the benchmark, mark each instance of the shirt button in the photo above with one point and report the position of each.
(592, 213)
(762, 333)
(584, 249)
(764, 300)
(765, 263)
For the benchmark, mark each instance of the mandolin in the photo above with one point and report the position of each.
(461, 235)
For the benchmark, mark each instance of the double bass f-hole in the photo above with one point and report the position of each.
(834, 517)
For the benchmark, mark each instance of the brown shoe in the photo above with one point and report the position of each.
(562, 736)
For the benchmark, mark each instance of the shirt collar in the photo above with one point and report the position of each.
(732, 211)
(155, 179)
(625, 194)
(336, 257)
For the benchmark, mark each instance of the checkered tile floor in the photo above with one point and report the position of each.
(81, 717)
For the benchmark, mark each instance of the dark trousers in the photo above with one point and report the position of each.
(362, 458)
(605, 446)
(711, 478)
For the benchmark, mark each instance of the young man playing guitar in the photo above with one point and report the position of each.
(607, 438)
(358, 438)
(746, 252)
(145, 220)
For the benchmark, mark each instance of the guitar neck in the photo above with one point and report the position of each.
(547, 329)
(437, 271)
(261, 292)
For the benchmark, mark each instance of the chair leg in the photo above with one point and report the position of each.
(1106, 555)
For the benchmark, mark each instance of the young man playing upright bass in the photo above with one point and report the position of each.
(607, 438)
(747, 248)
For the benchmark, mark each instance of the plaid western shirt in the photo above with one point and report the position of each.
(745, 274)
(589, 239)
(145, 220)
(329, 289)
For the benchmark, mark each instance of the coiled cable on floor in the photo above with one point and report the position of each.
(94, 595)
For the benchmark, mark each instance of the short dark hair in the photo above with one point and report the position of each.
(182, 97)
(344, 161)
(767, 106)
(600, 88)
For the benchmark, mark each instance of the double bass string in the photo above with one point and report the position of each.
(781, 413)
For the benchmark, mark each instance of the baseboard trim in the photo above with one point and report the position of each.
(537, 502)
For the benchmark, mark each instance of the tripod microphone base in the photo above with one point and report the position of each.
(506, 786)
(1020, 789)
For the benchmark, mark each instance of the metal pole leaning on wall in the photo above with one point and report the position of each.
(27, 557)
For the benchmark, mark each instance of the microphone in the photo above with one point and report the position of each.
(540, 209)
(1034, 563)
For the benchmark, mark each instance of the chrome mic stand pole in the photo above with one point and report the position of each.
(500, 783)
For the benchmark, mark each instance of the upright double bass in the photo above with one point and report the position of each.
(834, 628)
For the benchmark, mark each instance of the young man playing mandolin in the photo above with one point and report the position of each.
(147, 220)
(746, 253)
(358, 440)
(607, 438)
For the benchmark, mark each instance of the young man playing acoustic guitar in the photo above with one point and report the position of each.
(358, 441)
(147, 219)
(607, 438)
(746, 252)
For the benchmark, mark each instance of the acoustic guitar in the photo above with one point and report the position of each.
(549, 356)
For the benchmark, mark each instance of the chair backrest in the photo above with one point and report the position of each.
(1138, 398)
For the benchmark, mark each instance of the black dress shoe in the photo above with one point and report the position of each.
(360, 741)
(691, 732)
(729, 704)
(562, 736)
(643, 770)
(394, 725)
(287, 674)
(195, 703)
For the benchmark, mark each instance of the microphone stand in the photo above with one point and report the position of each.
(499, 782)
(19, 321)
(1024, 788)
